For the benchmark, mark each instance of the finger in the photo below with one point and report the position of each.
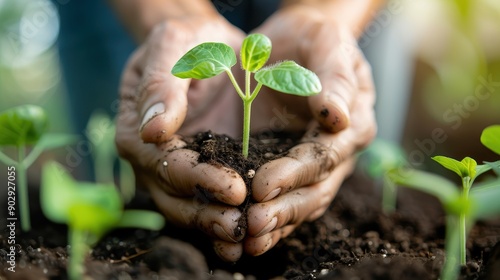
(183, 176)
(214, 219)
(228, 251)
(331, 108)
(303, 165)
(256, 246)
(296, 206)
(162, 97)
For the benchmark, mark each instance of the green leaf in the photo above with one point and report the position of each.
(482, 168)
(22, 125)
(289, 77)
(464, 168)
(491, 138)
(255, 52)
(470, 164)
(426, 182)
(204, 61)
(494, 165)
(485, 197)
(93, 218)
(47, 142)
(86, 206)
(141, 219)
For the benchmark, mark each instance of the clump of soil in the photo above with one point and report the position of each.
(220, 149)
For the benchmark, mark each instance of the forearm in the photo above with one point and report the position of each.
(140, 16)
(355, 14)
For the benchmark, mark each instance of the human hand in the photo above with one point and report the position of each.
(339, 121)
(157, 107)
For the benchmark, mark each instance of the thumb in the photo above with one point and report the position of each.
(163, 106)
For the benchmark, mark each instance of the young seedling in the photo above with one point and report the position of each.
(22, 127)
(90, 210)
(211, 59)
(463, 207)
(375, 160)
(101, 131)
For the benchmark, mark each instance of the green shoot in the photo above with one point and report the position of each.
(101, 133)
(22, 127)
(463, 206)
(211, 59)
(90, 210)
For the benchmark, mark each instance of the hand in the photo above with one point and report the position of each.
(339, 122)
(156, 107)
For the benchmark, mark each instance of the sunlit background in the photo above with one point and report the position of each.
(436, 65)
(29, 67)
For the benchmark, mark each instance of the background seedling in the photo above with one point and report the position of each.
(211, 59)
(90, 210)
(101, 132)
(463, 207)
(22, 127)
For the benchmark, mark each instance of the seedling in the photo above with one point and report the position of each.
(463, 207)
(90, 210)
(211, 59)
(22, 127)
(375, 160)
(101, 131)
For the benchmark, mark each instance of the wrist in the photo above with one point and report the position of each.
(355, 15)
(140, 17)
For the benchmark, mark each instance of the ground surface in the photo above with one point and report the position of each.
(353, 240)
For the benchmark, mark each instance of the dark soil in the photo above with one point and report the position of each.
(353, 240)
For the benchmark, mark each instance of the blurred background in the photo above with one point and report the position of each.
(436, 65)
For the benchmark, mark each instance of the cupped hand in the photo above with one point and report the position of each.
(157, 107)
(338, 123)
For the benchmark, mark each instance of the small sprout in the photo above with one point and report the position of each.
(463, 207)
(101, 132)
(250, 174)
(21, 127)
(164, 163)
(90, 210)
(211, 59)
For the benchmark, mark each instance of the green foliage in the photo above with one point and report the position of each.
(89, 209)
(463, 207)
(205, 61)
(289, 77)
(464, 168)
(22, 125)
(211, 59)
(255, 52)
(101, 132)
(491, 138)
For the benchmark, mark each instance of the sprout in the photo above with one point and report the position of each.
(22, 127)
(211, 59)
(89, 209)
(463, 207)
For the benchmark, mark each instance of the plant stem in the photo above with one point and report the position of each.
(24, 206)
(235, 84)
(6, 159)
(77, 254)
(247, 110)
(466, 183)
(451, 265)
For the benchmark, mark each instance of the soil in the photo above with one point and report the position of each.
(354, 239)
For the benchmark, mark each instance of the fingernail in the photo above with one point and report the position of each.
(154, 110)
(340, 119)
(272, 194)
(222, 234)
(222, 198)
(268, 228)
